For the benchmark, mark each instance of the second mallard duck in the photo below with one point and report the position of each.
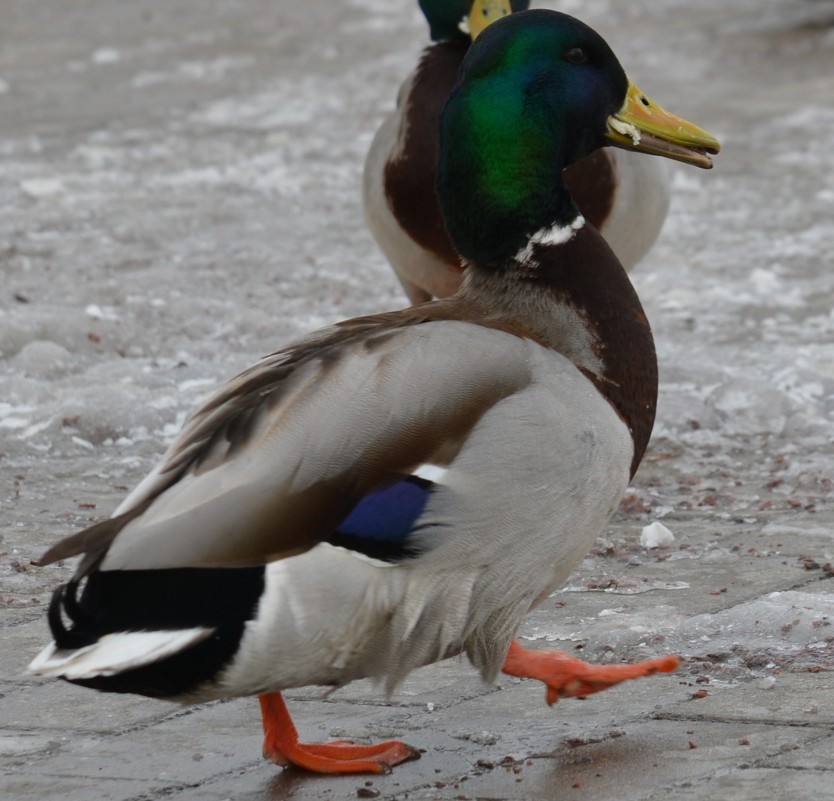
(624, 196)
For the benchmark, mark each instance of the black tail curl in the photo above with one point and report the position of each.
(65, 601)
(108, 602)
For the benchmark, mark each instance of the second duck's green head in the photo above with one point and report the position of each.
(537, 91)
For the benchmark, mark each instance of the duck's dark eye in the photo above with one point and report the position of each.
(576, 55)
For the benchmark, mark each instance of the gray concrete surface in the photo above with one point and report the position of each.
(179, 193)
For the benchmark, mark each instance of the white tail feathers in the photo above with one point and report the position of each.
(114, 653)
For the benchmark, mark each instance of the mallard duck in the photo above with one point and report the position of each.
(624, 196)
(404, 487)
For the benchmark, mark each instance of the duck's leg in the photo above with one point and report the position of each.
(568, 677)
(282, 747)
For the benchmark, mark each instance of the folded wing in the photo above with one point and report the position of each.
(282, 456)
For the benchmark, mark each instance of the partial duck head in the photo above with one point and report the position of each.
(537, 91)
(463, 20)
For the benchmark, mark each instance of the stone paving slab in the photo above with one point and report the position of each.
(814, 756)
(62, 708)
(506, 744)
(637, 756)
(764, 783)
(34, 788)
(793, 699)
(176, 746)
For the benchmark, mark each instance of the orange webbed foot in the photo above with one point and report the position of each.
(281, 746)
(568, 677)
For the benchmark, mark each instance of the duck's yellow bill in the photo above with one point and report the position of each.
(483, 13)
(643, 125)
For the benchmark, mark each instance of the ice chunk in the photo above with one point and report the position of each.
(656, 535)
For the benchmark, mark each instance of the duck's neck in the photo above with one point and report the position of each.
(493, 209)
(500, 171)
(576, 298)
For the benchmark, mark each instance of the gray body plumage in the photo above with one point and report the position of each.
(535, 460)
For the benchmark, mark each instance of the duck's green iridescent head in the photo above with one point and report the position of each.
(537, 91)
(462, 20)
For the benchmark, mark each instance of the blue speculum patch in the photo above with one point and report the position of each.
(388, 514)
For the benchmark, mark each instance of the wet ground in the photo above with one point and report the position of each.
(179, 194)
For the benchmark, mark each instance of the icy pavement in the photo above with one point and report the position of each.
(179, 194)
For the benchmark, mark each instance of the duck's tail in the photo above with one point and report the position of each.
(161, 633)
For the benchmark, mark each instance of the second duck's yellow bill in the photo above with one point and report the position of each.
(483, 13)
